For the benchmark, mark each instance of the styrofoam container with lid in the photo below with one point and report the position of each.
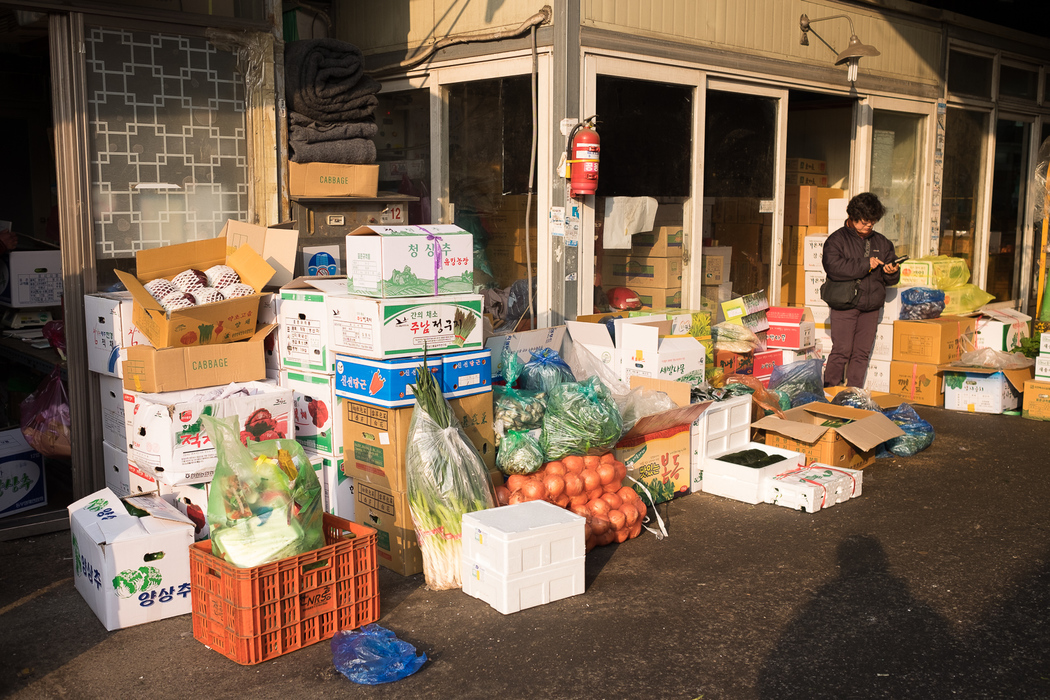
(724, 427)
(514, 592)
(522, 537)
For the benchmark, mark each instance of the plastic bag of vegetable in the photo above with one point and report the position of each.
(544, 371)
(762, 396)
(446, 478)
(965, 299)
(992, 358)
(511, 365)
(920, 303)
(854, 397)
(515, 409)
(804, 376)
(373, 655)
(581, 419)
(264, 503)
(44, 417)
(732, 337)
(918, 434)
(519, 453)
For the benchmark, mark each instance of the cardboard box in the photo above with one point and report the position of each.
(661, 242)
(839, 436)
(31, 278)
(375, 438)
(813, 252)
(813, 488)
(1044, 343)
(107, 320)
(115, 465)
(745, 305)
(797, 178)
(152, 370)
(332, 180)
(800, 206)
(109, 548)
(644, 271)
(387, 512)
(825, 195)
(276, 245)
(595, 338)
(1036, 404)
(168, 439)
(317, 412)
(795, 242)
(790, 327)
(523, 344)
(983, 390)
(22, 483)
(222, 8)
(409, 261)
(882, 350)
(766, 361)
(920, 383)
(645, 352)
(657, 451)
(1001, 329)
(934, 341)
(714, 269)
(337, 488)
(734, 362)
(305, 315)
(220, 322)
(658, 297)
(806, 165)
(466, 373)
(111, 402)
(382, 382)
(878, 376)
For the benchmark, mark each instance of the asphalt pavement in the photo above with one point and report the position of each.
(934, 583)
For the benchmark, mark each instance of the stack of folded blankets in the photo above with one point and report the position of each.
(331, 103)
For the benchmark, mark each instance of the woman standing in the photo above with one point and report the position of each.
(858, 252)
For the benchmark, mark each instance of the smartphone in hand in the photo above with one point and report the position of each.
(901, 259)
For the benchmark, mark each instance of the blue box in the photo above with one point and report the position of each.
(22, 484)
(466, 373)
(381, 382)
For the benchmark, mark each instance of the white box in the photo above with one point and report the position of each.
(595, 337)
(337, 488)
(746, 483)
(891, 310)
(1042, 367)
(1001, 329)
(107, 321)
(813, 488)
(131, 570)
(822, 340)
(523, 344)
(509, 594)
(190, 499)
(23, 485)
(115, 464)
(523, 538)
(837, 213)
(168, 439)
(644, 353)
(813, 252)
(821, 314)
(813, 280)
(115, 421)
(724, 427)
(317, 412)
(409, 261)
(980, 391)
(790, 356)
(883, 347)
(1044, 342)
(878, 376)
(31, 278)
(269, 312)
(305, 315)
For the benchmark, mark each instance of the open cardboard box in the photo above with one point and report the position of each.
(647, 349)
(983, 389)
(220, 322)
(275, 244)
(839, 436)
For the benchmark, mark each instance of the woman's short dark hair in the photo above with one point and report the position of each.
(865, 207)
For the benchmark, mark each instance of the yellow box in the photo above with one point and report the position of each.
(1036, 403)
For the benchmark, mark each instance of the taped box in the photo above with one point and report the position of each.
(812, 488)
(839, 436)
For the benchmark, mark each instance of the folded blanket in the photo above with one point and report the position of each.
(348, 151)
(325, 79)
(318, 132)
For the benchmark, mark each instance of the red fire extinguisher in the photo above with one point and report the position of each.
(584, 146)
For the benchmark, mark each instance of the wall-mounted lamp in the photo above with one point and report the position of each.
(851, 55)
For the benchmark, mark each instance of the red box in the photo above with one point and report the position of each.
(766, 361)
(734, 362)
(258, 613)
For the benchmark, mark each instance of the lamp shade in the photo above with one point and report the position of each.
(855, 49)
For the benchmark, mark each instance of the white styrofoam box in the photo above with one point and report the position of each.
(523, 537)
(337, 488)
(883, 347)
(979, 393)
(115, 463)
(1042, 367)
(813, 252)
(812, 280)
(724, 427)
(514, 592)
(813, 488)
(317, 411)
(168, 439)
(1044, 343)
(31, 278)
(878, 376)
(23, 485)
(114, 420)
(107, 321)
(746, 483)
(110, 547)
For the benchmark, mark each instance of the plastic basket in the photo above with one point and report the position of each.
(255, 614)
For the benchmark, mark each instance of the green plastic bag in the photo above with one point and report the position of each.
(519, 453)
(265, 501)
(581, 418)
(965, 299)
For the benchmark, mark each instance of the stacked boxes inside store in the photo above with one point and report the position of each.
(734, 232)
(358, 342)
(652, 268)
(505, 253)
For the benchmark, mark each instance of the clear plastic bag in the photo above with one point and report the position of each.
(585, 364)
(44, 417)
(642, 402)
(854, 397)
(965, 299)
(993, 359)
(581, 419)
(732, 337)
(373, 655)
(544, 371)
(798, 378)
(519, 453)
(515, 409)
(264, 503)
(918, 434)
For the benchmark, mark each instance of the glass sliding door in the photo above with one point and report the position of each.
(963, 193)
(1006, 234)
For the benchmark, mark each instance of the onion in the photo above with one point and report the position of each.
(591, 480)
(503, 495)
(608, 458)
(595, 493)
(628, 494)
(534, 490)
(516, 497)
(573, 463)
(515, 481)
(635, 529)
(591, 462)
(562, 501)
(612, 499)
(573, 485)
(555, 485)
(630, 513)
(599, 525)
(582, 510)
(607, 473)
(555, 469)
(617, 519)
(579, 499)
(598, 507)
(622, 535)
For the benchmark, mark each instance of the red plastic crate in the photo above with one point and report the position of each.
(255, 614)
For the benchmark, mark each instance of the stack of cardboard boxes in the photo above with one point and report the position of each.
(921, 349)
(652, 268)
(1037, 391)
(507, 237)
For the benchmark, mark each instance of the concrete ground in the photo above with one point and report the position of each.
(934, 583)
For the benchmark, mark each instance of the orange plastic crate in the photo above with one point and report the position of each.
(255, 614)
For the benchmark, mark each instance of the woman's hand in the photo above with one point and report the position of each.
(874, 262)
(890, 268)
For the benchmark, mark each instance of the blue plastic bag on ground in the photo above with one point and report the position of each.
(373, 655)
(918, 434)
(802, 381)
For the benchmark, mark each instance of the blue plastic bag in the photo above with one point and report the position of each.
(544, 371)
(802, 381)
(920, 303)
(373, 655)
(918, 434)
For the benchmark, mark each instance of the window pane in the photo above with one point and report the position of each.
(168, 149)
(965, 143)
(1007, 215)
(969, 74)
(1018, 82)
(403, 149)
(896, 176)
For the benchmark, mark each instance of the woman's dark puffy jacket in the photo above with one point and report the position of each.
(844, 259)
